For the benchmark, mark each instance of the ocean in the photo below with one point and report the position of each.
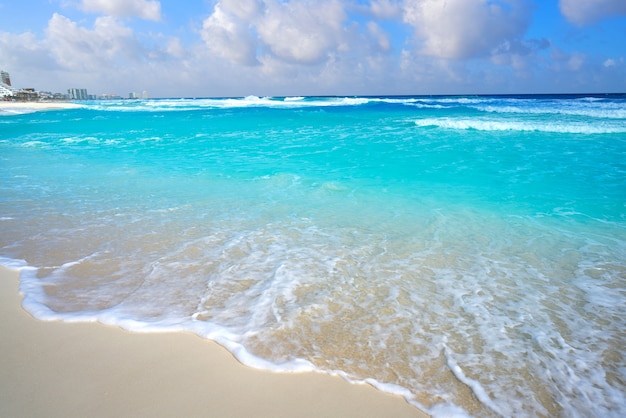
(467, 253)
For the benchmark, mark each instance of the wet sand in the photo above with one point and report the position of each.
(57, 369)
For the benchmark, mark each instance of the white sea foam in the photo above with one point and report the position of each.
(264, 285)
(447, 410)
(478, 390)
(596, 109)
(13, 264)
(256, 101)
(485, 124)
(179, 105)
(16, 111)
(603, 111)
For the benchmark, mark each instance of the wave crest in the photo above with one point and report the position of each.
(518, 125)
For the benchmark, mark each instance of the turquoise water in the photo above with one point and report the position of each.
(468, 253)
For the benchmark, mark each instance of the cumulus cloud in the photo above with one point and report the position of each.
(77, 47)
(582, 12)
(229, 36)
(243, 9)
(466, 28)
(385, 9)
(576, 61)
(611, 63)
(563, 61)
(25, 51)
(175, 48)
(379, 35)
(302, 32)
(144, 9)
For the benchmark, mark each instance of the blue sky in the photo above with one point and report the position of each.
(173, 48)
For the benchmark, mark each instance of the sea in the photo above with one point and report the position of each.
(465, 252)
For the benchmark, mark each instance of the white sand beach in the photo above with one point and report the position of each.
(56, 369)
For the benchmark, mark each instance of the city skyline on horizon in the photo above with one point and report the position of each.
(73, 93)
(231, 48)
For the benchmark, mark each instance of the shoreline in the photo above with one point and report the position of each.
(58, 369)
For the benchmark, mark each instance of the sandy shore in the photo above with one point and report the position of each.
(56, 369)
(21, 107)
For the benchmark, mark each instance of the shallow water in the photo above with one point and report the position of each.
(466, 252)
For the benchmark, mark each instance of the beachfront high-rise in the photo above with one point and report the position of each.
(5, 78)
(78, 94)
(5, 84)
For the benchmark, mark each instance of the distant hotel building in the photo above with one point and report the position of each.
(4, 77)
(5, 84)
(78, 94)
(143, 95)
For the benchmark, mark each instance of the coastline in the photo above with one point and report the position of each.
(57, 369)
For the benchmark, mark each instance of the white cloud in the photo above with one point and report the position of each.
(229, 37)
(175, 48)
(385, 9)
(79, 48)
(144, 9)
(303, 32)
(379, 35)
(584, 12)
(613, 63)
(24, 51)
(466, 28)
(572, 62)
(109, 57)
(576, 61)
(243, 9)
